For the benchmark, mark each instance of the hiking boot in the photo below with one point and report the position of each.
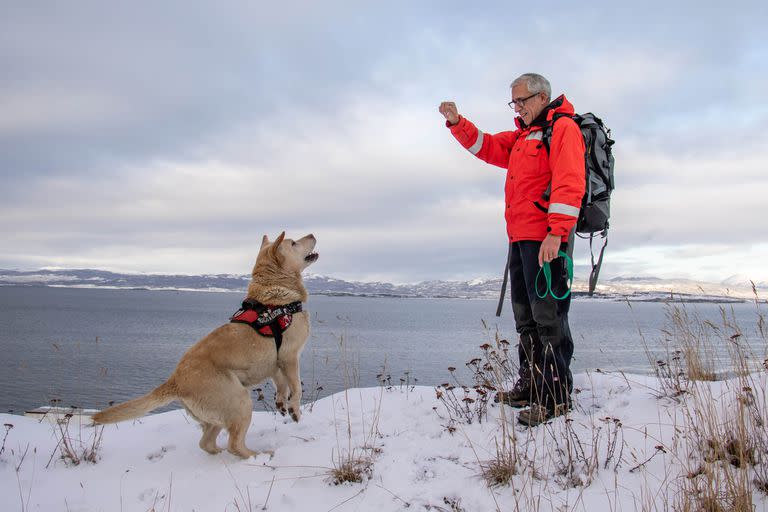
(537, 414)
(518, 396)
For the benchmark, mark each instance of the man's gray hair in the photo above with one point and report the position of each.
(535, 83)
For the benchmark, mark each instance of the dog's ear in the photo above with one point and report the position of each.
(276, 245)
(264, 242)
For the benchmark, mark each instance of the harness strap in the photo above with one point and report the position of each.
(268, 321)
(277, 332)
(274, 311)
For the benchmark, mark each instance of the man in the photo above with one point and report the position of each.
(538, 226)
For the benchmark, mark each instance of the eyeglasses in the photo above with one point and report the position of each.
(520, 101)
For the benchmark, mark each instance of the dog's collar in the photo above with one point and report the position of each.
(268, 320)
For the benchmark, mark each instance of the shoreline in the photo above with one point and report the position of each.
(650, 296)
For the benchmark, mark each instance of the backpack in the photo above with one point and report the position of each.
(596, 203)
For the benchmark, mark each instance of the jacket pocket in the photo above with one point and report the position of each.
(532, 148)
(541, 207)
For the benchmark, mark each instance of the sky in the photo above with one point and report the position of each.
(169, 137)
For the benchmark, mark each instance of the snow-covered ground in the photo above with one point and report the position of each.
(622, 449)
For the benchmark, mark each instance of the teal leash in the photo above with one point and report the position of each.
(548, 277)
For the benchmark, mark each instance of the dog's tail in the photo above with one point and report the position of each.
(158, 397)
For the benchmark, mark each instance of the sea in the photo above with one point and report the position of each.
(89, 347)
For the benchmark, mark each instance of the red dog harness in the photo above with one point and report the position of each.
(268, 321)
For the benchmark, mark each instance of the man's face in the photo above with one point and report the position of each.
(529, 108)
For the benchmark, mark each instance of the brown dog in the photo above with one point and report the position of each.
(213, 378)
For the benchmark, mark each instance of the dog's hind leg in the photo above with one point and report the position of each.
(208, 441)
(237, 424)
(282, 391)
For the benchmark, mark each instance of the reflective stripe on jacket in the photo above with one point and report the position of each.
(530, 170)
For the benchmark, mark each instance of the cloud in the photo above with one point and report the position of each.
(367, 186)
(171, 138)
(703, 261)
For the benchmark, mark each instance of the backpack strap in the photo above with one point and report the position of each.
(546, 139)
(595, 267)
(504, 282)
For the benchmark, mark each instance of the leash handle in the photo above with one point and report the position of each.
(546, 268)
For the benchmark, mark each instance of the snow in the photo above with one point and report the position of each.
(35, 278)
(419, 459)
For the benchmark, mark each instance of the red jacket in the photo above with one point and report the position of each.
(530, 170)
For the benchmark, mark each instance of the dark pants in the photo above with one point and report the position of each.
(546, 346)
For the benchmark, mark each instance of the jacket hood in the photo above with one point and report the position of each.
(559, 105)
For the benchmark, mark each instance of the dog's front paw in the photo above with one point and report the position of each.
(295, 414)
(281, 408)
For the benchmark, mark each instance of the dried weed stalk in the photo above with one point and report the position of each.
(468, 403)
(354, 463)
(75, 444)
(724, 434)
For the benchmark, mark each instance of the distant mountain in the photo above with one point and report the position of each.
(618, 288)
(742, 281)
(87, 278)
(689, 289)
(478, 288)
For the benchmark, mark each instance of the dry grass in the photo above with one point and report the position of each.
(499, 470)
(352, 462)
(75, 442)
(722, 436)
(693, 339)
(351, 467)
(715, 455)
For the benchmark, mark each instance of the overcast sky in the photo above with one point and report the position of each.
(170, 136)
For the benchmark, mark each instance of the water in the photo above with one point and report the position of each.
(89, 346)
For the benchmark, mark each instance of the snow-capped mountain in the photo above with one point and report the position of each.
(736, 288)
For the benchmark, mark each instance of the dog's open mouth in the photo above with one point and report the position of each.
(311, 257)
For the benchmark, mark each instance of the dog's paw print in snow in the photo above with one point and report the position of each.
(618, 397)
(424, 469)
(622, 404)
(159, 454)
(425, 474)
(622, 390)
(437, 467)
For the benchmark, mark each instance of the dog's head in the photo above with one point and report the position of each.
(290, 255)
